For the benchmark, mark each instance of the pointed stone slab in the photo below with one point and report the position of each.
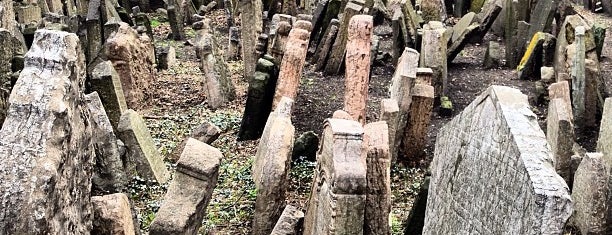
(143, 158)
(497, 135)
(46, 152)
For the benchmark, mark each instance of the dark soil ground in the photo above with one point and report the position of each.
(178, 105)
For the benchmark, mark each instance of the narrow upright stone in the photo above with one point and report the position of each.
(271, 168)
(378, 195)
(390, 114)
(251, 12)
(401, 85)
(579, 79)
(604, 145)
(433, 10)
(338, 196)
(591, 195)
(358, 66)
(560, 136)
(433, 55)
(143, 157)
(46, 153)
(259, 100)
(292, 65)
(106, 81)
(185, 203)
(417, 126)
(112, 215)
(336, 56)
(323, 49)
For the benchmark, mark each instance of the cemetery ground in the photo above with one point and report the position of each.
(176, 106)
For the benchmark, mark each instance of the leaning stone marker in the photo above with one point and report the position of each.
(338, 195)
(433, 55)
(46, 153)
(112, 215)
(590, 194)
(604, 145)
(336, 56)
(378, 195)
(289, 221)
(496, 136)
(417, 125)
(185, 202)
(560, 136)
(271, 168)
(358, 66)
(143, 157)
(292, 65)
(390, 114)
(105, 81)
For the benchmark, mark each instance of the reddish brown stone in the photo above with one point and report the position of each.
(292, 65)
(560, 90)
(358, 66)
(415, 133)
(378, 192)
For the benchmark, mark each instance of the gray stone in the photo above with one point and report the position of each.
(176, 21)
(567, 37)
(400, 38)
(106, 82)
(165, 57)
(462, 25)
(493, 56)
(496, 136)
(260, 95)
(11, 49)
(547, 74)
(133, 58)
(185, 203)
(112, 215)
(560, 136)
(578, 77)
(217, 83)
(251, 11)
(457, 46)
(542, 17)
(289, 222)
(416, 217)
(434, 55)
(46, 153)
(378, 192)
(323, 49)
(109, 172)
(306, 146)
(271, 166)
(604, 145)
(206, 132)
(338, 196)
(599, 35)
(233, 50)
(433, 10)
(27, 14)
(390, 114)
(337, 53)
(143, 159)
(590, 195)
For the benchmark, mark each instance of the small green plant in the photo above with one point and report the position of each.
(155, 23)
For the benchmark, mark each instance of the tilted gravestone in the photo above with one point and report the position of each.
(292, 65)
(46, 152)
(492, 172)
(590, 194)
(112, 215)
(271, 167)
(338, 196)
(185, 203)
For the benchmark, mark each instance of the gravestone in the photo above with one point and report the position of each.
(185, 202)
(260, 95)
(338, 196)
(289, 221)
(251, 12)
(358, 66)
(417, 126)
(401, 84)
(390, 114)
(378, 192)
(604, 145)
(433, 55)
(143, 159)
(292, 65)
(590, 195)
(106, 82)
(47, 154)
(336, 56)
(323, 49)
(271, 166)
(112, 215)
(496, 136)
(206, 133)
(133, 58)
(560, 136)
(433, 10)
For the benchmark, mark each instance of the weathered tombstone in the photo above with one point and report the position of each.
(390, 114)
(185, 203)
(433, 10)
(417, 125)
(358, 66)
(400, 39)
(579, 103)
(604, 145)
(338, 195)
(251, 11)
(217, 83)
(289, 221)
(260, 95)
(112, 215)
(434, 55)
(416, 218)
(105, 81)
(323, 49)
(599, 35)
(542, 17)
(206, 133)
(401, 84)
(28, 13)
(306, 146)
(11, 49)
(493, 55)
(271, 167)
(461, 26)
(341, 114)
(566, 37)
(279, 41)
(560, 136)
(292, 65)
(533, 59)
(378, 192)
(46, 149)
(497, 135)
(165, 57)
(336, 56)
(233, 50)
(133, 58)
(591, 195)
(109, 172)
(143, 158)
